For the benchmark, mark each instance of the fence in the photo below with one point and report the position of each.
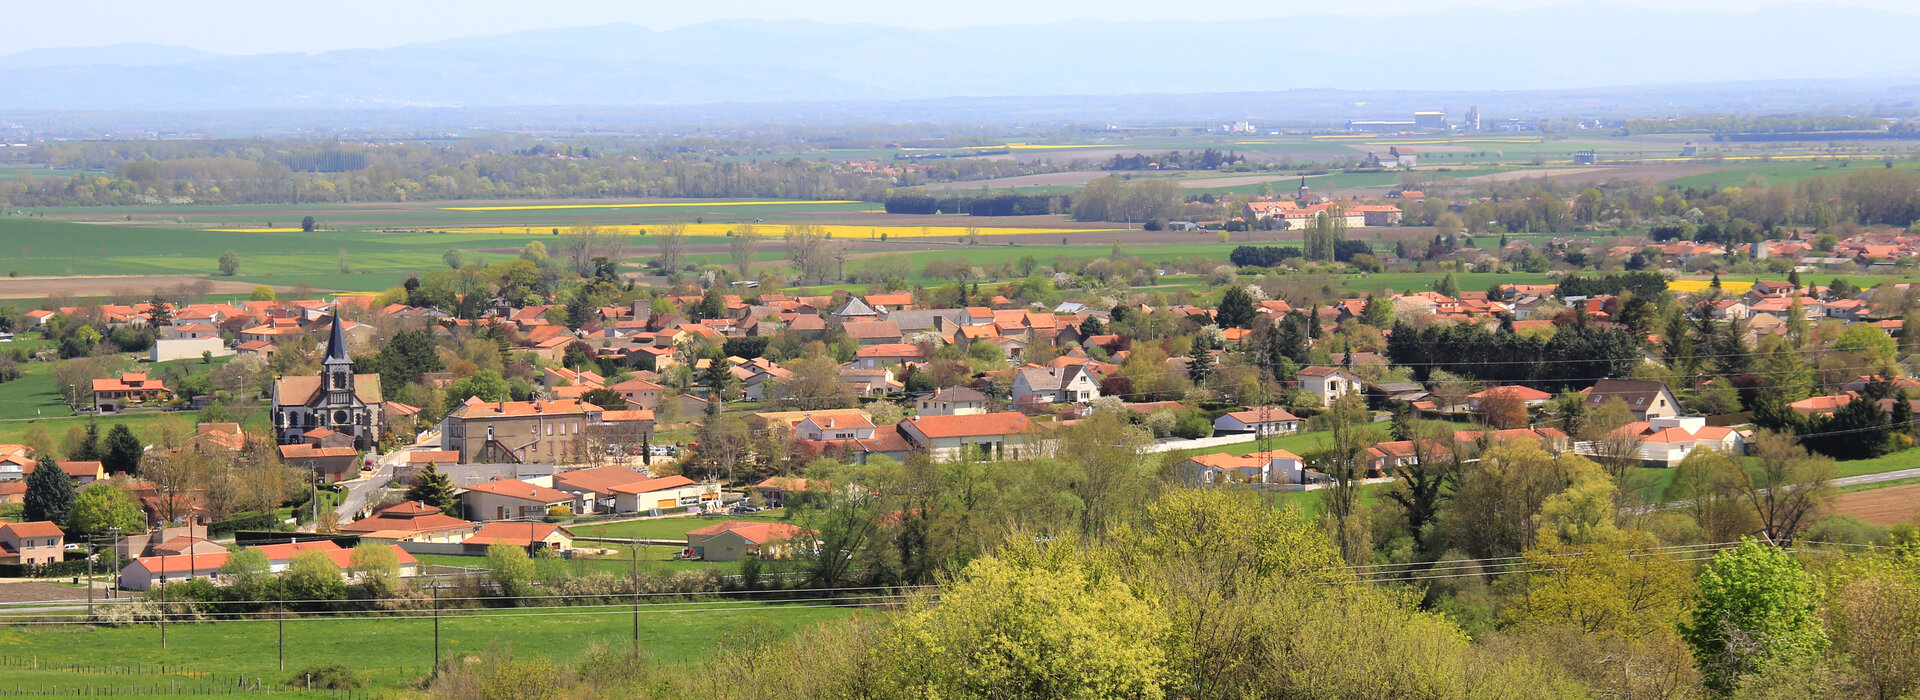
(1199, 443)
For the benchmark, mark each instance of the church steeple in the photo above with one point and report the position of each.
(337, 343)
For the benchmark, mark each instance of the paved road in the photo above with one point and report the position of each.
(1877, 478)
(359, 490)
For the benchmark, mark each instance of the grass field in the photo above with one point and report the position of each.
(389, 651)
(833, 230)
(665, 528)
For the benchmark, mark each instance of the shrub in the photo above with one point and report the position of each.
(326, 677)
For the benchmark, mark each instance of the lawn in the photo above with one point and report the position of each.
(665, 528)
(654, 559)
(389, 651)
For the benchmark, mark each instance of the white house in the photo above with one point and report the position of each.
(1328, 383)
(1070, 384)
(1666, 441)
(852, 427)
(987, 436)
(1276, 467)
(1276, 422)
(953, 401)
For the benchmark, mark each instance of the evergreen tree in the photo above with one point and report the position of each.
(1377, 313)
(1313, 322)
(1797, 326)
(49, 493)
(1715, 284)
(1793, 279)
(718, 376)
(1676, 346)
(1200, 360)
(1789, 376)
(1448, 286)
(1902, 411)
(1236, 308)
(404, 358)
(123, 450)
(88, 448)
(433, 488)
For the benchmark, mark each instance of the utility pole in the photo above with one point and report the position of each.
(435, 584)
(633, 551)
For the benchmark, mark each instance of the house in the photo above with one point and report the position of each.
(783, 422)
(593, 488)
(986, 436)
(129, 390)
(1328, 383)
(1271, 421)
(833, 428)
(36, 542)
(1387, 457)
(952, 401)
(868, 333)
(336, 399)
(510, 499)
(528, 536)
(639, 393)
(330, 464)
(1665, 441)
(665, 493)
(780, 490)
(82, 472)
(1528, 396)
(871, 356)
(517, 431)
(1274, 467)
(411, 521)
(1070, 384)
(142, 573)
(734, 540)
(869, 382)
(1646, 399)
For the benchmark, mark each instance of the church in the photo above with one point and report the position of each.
(338, 400)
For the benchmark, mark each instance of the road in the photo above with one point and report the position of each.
(359, 490)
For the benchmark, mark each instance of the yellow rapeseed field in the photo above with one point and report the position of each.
(777, 230)
(1697, 286)
(637, 205)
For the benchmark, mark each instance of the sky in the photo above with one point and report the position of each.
(268, 26)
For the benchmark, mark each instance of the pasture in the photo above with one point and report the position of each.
(390, 651)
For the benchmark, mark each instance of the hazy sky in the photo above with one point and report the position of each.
(261, 26)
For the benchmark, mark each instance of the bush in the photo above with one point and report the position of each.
(1193, 424)
(326, 677)
(559, 513)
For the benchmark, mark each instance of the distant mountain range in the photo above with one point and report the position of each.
(1552, 48)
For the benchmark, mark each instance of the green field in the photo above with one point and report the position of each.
(665, 528)
(389, 651)
(1783, 173)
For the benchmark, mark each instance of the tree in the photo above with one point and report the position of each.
(486, 384)
(1236, 308)
(1031, 622)
(1423, 485)
(809, 249)
(404, 358)
(1755, 608)
(452, 258)
(101, 507)
(377, 567)
(672, 239)
(261, 293)
(229, 263)
(1200, 360)
(307, 223)
(434, 489)
(1790, 486)
(743, 247)
(312, 576)
(247, 576)
(83, 444)
(1502, 407)
(1447, 286)
(815, 385)
(122, 450)
(510, 569)
(584, 242)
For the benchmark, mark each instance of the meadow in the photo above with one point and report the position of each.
(390, 651)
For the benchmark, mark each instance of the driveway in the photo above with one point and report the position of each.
(359, 490)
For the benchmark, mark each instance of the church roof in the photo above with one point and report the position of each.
(304, 391)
